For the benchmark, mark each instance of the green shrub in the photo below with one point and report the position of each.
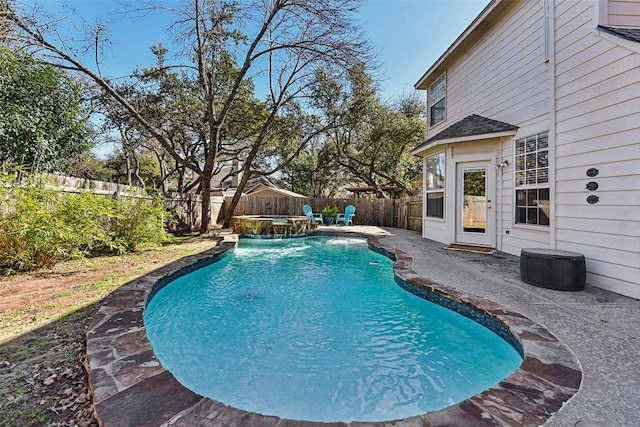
(137, 223)
(329, 211)
(31, 236)
(40, 226)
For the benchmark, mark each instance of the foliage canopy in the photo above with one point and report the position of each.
(41, 120)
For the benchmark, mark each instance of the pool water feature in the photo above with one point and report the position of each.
(317, 329)
(271, 227)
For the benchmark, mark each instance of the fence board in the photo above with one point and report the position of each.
(409, 213)
(186, 208)
(72, 184)
(378, 212)
(403, 213)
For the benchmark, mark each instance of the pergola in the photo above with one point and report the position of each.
(391, 190)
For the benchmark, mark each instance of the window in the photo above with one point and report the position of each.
(532, 180)
(434, 187)
(438, 101)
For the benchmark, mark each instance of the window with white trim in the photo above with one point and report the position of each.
(438, 101)
(532, 180)
(434, 186)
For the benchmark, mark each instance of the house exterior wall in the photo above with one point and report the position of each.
(503, 76)
(580, 84)
(597, 87)
(478, 151)
(622, 13)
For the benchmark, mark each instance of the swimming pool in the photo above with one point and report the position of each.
(317, 329)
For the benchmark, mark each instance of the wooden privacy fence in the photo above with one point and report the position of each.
(402, 213)
(185, 208)
(409, 213)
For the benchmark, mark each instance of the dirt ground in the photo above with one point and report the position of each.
(44, 316)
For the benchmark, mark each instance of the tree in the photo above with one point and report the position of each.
(374, 139)
(87, 165)
(41, 117)
(227, 44)
(146, 170)
(280, 41)
(314, 172)
(171, 100)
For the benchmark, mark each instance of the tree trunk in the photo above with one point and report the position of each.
(206, 202)
(246, 173)
(163, 172)
(127, 166)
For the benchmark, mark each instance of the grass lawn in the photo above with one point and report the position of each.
(44, 316)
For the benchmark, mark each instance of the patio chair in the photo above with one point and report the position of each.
(316, 218)
(347, 217)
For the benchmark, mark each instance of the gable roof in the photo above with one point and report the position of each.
(262, 188)
(472, 127)
(631, 34)
(256, 181)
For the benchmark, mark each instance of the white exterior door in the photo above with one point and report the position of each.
(475, 218)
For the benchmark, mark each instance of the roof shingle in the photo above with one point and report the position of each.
(632, 34)
(470, 126)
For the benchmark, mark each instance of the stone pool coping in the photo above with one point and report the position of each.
(130, 386)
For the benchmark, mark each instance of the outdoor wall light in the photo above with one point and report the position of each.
(502, 164)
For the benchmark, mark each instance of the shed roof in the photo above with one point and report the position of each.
(391, 189)
(262, 188)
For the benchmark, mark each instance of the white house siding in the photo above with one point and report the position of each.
(436, 228)
(598, 126)
(623, 13)
(504, 76)
(445, 230)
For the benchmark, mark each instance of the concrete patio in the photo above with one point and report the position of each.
(600, 327)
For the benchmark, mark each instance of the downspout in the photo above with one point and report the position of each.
(553, 218)
(424, 197)
(499, 196)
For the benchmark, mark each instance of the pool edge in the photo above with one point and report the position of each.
(130, 386)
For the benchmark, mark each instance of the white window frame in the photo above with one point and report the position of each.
(531, 180)
(435, 186)
(435, 97)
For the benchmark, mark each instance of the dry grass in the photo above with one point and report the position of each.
(44, 316)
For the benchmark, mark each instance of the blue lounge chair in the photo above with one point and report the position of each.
(347, 217)
(316, 218)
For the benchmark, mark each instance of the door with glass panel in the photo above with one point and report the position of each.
(474, 220)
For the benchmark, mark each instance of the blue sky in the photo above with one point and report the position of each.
(408, 35)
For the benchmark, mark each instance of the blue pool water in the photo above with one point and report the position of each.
(317, 329)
